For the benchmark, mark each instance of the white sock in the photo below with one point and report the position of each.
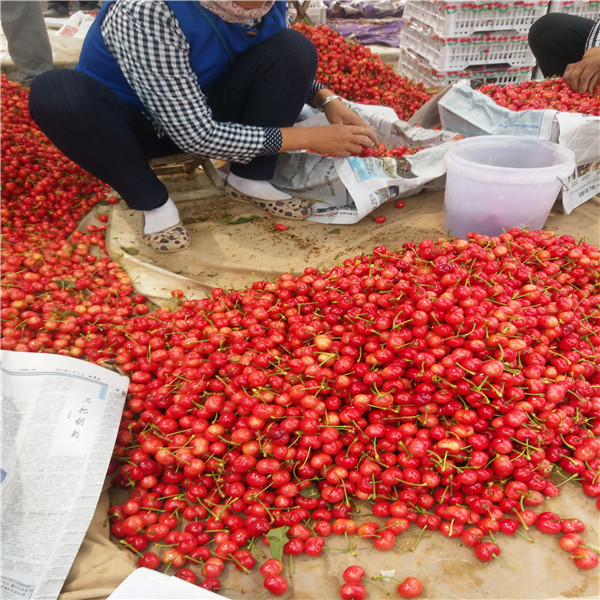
(256, 188)
(162, 217)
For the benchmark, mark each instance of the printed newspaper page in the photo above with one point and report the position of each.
(60, 417)
(347, 189)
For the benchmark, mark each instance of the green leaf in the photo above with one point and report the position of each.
(277, 539)
(228, 220)
(64, 283)
(70, 313)
(334, 231)
(310, 492)
(133, 251)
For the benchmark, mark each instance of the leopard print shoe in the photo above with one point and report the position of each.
(292, 208)
(171, 239)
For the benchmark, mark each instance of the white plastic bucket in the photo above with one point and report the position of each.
(497, 182)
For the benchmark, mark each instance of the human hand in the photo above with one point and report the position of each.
(583, 76)
(340, 139)
(337, 112)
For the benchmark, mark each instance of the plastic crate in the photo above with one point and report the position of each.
(452, 53)
(317, 12)
(590, 9)
(450, 18)
(416, 67)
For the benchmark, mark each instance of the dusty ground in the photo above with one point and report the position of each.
(230, 255)
(529, 568)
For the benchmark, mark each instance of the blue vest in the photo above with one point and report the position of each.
(214, 44)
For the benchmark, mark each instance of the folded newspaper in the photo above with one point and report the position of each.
(348, 189)
(60, 417)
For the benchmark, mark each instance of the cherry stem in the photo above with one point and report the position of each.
(130, 547)
(379, 587)
(592, 549)
(421, 533)
(530, 540)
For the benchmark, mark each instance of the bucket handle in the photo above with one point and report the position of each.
(565, 187)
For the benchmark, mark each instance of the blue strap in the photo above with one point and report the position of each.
(209, 19)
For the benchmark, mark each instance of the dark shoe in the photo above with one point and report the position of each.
(292, 208)
(172, 239)
(56, 11)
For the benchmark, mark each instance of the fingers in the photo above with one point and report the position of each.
(585, 74)
(368, 135)
(356, 125)
(571, 76)
(588, 80)
(367, 141)
(361, 142)
(354, 148)
(353, 119)
(343, 140)
(582, 76)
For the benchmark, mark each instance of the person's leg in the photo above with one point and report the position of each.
(57, 9)
(267, 85)
(27, 39)
(558, 40)
(91, 125)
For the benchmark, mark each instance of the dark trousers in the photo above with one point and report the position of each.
(267, 86)
(558, 40)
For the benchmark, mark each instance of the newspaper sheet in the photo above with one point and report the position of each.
(347, 189)
(60, 417)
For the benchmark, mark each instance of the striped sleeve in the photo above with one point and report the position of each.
(146, 40)
(593, 40)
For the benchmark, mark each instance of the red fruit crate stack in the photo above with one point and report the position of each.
(590, 9)
(461, 52)
(415, 67)
(443, 41)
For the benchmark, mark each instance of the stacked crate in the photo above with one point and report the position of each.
(443, 41)
(590, 9)
(317, 12)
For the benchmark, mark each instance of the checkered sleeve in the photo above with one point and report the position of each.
(316, 86)
(146, 40)
(593, 40)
